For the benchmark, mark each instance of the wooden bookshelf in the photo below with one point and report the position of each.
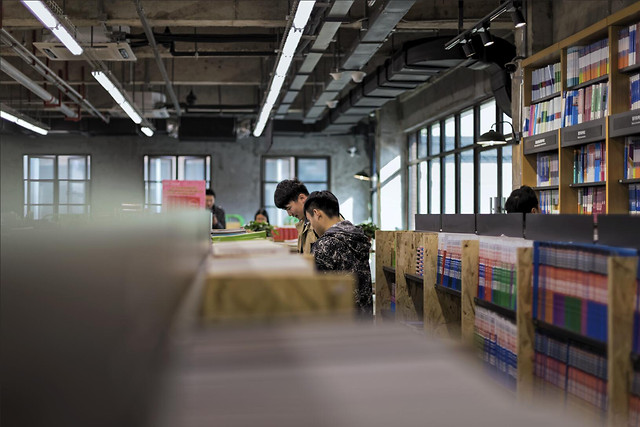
(614, 127)
(409, 296)
(385, 273)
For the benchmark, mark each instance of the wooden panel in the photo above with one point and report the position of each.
(627, 15)
(524, 320)
(589, 34)
(618, 82)
(406, 293)
(469, 286)
(385, 247)
(430, 243)
(568, 195)
(617, 193)
(621, 284)
(255, 297)
(546, 56)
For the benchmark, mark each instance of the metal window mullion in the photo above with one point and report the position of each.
(457, 144)
(442, 165)
(476, 159)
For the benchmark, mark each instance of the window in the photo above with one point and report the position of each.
(312, 171)
(434, 185)
(182, 168)
(507, 157)
(422, 143)
(423, 186)
(56, 185)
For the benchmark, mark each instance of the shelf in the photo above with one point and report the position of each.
(629, 181)
(629, 69)
(541, 142)
(546, 98)
(624, 124)
(588, 184)
(418, 280)
(503, 311)
(389, 270)
(583, 133)
(590, 82)
(546, 187)
(449, 291)
(558, 332)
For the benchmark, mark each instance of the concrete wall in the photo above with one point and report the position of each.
(117, 167)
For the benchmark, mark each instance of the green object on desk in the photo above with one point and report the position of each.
(238, 237)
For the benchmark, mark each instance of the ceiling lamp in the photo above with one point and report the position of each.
(485, 36)
(518, 19)
(362, 176)
(491, 138)
(468, 49)
(53, 19)
(117, 95)
(147, 131)
(20, 119)
(300, 20)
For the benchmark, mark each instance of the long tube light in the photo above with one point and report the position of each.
(147, 130)
(13, 116)
(50, 21)
(117, 96)
(300, 20)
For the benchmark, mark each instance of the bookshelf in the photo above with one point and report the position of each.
(610, 125)
(385, 275)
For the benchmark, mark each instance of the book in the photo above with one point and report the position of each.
(449, 271)
(545, 81)
(632, 157)
(585, 104)
(585, 63)
(628, 46)
(549, 201)
(547, 169)
(496, 341)
(589, 163)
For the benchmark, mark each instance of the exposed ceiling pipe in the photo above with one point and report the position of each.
(14, 73)
(49, 74)
(162, 38)
(163, 70)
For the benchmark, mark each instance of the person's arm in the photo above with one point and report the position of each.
(329, 255)
(222, 219)
(217, 223)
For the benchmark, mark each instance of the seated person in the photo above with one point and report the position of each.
(341, 246)
(290, 196)
(261, 216)
(522, 200)
(217, 218)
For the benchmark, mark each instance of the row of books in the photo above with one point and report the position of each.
(634, 92)
(628, 46)
(570, 286)
(585, 104)
(549, 201)
(590, 163)
(449, 272)
(546, 81)
(634, 199)
(632, 157)
(575, 370)
(543, 117)
(547, 169)
(592, 200)
(497, 270)
(496, 340)
(635, 346)
(586, 63)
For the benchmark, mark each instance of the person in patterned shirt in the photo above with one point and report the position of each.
(341, 246)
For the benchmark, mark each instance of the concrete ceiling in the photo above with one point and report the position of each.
(236, 43)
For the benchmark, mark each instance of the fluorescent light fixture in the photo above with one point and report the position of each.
(50, 21)
(147, 130)
(127, 108)
(13, 116)
(300, 20)
(117, 96)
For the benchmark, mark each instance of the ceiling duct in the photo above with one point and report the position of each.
(96, 41)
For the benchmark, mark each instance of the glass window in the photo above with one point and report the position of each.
(450, 184)
(435, 139)
(390, 202)
(422, 143)
(449, 134)
(488, 179)
(313, 170)
(507, 170)
(412, 146)
(276, 170)
(423, 188)
(487, 116)
(434, 185)
(466, 182)
(56, 185)
(413, 195)
(466, 128)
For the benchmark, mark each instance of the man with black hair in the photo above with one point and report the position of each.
(341, 246)
(522, 200)
(217, 217)
(290, 196)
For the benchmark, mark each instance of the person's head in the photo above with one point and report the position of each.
(210, 198)
(522, 200)
(261, 216)
(290, 196)
(322, 210)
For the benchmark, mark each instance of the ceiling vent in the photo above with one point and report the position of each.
(109, 51)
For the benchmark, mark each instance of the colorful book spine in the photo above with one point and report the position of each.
(545, 81)
(549, 201)
(543, 117)
(585, 63)
(634, 91)
(634, 199)
(632, 157)
(590, 163)
(585, 104)
(628, 46)
(592, 200)
(547, 169)
(449, 273)
(496, 340)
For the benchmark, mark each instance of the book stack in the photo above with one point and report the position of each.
(547, 169)
(570, 286)
(634, 91)
(634, 400)
(592, 200)
(590, 163)
(449, 272)
(585, 104)
(497, 270)
(586, 63)
(634, 199)
(543, 117)
(576, 370)
(628, 46)
(545, 81)
(549, 201)
(636, 319)
(632, 157)
(420, 261)
(496, 338)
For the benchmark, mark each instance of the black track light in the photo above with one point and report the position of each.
(468, 49)
(518, 19)
(485, 36)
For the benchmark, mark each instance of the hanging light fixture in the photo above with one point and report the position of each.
(362, 176)
(50, 15)
(485, 36)
(9, 114)
(493, 137)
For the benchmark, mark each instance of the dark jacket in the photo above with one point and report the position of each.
(219, 214)
(345, 247)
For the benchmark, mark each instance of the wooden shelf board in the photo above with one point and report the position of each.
(595, 345)
(546, 187)
(503, 311)
(546, 98)
(389, 270)
(590, 82)
(629, 181)
(629, 69)
(413, 278)
(588, 184)
(449, 291)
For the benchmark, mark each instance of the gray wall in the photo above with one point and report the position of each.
(117, 167)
